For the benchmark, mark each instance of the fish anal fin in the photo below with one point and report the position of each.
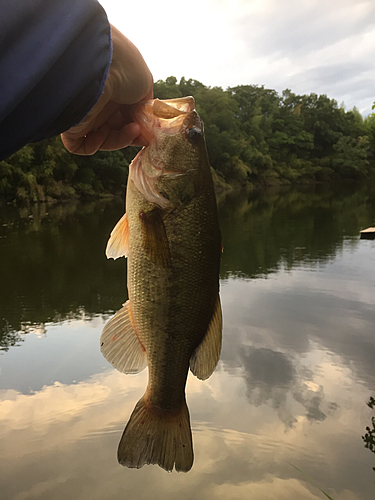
(118, 243)
(206, 356)
(120, 345)
(154, 436)
(156, 242)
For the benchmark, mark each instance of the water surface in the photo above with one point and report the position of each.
(296, 371)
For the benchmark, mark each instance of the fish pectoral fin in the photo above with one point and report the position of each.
(206, 356)
(156, 243)
(120, 345)
(118, 242)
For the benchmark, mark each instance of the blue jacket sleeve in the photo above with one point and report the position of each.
(54, 61)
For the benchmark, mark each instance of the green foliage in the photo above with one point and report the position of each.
(351, 156)
(46, 170)
(254, 137)
(369, 437)
(257, 137)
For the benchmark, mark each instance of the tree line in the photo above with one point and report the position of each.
(255, 137)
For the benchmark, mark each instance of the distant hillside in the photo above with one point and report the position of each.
(255, 137)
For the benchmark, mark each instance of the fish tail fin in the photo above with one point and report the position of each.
(156, 436)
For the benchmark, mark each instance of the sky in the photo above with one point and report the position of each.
(321, 46)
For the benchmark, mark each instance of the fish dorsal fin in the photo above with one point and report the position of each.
(206, 356)
(118, 242)
(120, 345)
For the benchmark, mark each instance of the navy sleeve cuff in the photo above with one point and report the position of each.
(54, 62)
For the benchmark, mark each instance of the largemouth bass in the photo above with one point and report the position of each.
(172, 320)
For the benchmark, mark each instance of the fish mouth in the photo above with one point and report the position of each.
(173, 108)
(159, 118)
(170, 116)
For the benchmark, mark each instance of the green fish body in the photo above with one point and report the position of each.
(172, 320)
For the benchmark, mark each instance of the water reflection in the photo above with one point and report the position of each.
(53, 265)
(52, 257)
(289, 228)
(295, 374)
(369, 437)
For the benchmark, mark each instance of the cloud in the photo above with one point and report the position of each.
(61, 443)
(267, 367)
(298, 29)
(330, 309)
(310, 46)
(320, 47)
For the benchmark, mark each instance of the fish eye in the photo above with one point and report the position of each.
(193, 134)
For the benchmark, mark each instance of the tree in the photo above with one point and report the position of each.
(254, 137)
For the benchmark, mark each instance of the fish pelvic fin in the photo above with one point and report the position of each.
(206, 356)
(118, 243)
(156, 436)
(120, 345)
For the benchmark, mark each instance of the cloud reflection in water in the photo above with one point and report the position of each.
(295, 373)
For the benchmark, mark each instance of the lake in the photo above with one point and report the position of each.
(284, 414)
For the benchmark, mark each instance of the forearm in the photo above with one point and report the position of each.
(54, 61)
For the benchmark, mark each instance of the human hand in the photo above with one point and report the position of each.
(109, 125)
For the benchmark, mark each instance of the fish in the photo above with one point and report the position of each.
(172, 320)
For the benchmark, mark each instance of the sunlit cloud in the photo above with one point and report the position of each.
(312, 46)
(238, 445)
